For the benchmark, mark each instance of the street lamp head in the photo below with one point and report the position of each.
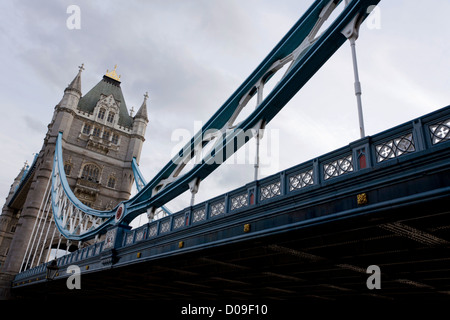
(52, 269)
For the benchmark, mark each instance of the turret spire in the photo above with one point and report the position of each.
(142, 112)
(76, 82)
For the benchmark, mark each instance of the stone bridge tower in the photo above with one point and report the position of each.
(100, 140)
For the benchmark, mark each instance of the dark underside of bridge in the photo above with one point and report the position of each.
(326, 262)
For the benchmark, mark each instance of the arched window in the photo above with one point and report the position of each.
(106, 135)
(96, 132)
(115, 139)
(101, 113)
(90, 172)
(86, 128)
(111, 182)
(110, 117)
(67, 168)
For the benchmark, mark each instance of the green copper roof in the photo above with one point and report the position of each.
(106, 86)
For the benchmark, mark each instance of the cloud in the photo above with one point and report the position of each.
(191, 56)
(34, 125)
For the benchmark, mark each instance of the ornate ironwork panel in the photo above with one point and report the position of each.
(239, 201)
(217, 208)
(270, 190)
(301, 180)
(97, 249)
(140, 235)
(395, 147)
(338, 167)
(440, 132)
(165, 226)
(153, 231)
(199, 215)
(129, 238)
(109, 240)
(178, 222)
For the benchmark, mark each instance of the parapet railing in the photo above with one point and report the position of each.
(418, 135)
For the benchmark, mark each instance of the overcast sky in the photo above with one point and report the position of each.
(191, 55)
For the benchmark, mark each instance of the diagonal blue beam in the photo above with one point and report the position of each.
(312, 60)
(303, 68)
(141, 182)
(138, 177)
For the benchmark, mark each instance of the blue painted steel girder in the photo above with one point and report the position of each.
(312, 60)
(303, 67)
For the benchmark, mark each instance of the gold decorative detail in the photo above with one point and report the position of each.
(113, 74)
(87, 267)
(247, 227)
(181, 244)
(361, 199)
(138, 255)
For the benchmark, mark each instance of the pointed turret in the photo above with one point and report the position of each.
(66, 108)
(72, 93)
(142, 112)
(76, 82)
(140, 122)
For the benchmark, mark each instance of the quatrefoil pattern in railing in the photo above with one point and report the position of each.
(239, 201)
(217, 208)
(199, 215)
(178, 222)
(440, 132)
(270, 190)
(301, 180)
(395, 147)
(338, 167)
(165, 226)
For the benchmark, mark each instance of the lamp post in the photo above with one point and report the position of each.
(52, 269)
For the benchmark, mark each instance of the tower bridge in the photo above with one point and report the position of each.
(310, 232)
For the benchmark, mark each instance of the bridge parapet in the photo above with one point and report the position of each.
(364, 154)
(400, 144)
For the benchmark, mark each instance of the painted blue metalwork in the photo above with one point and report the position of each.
(63, 198)
(24, 179)
(141, 182)
(306, 197)
(307, 55)
(303, 68)
(138, 177)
